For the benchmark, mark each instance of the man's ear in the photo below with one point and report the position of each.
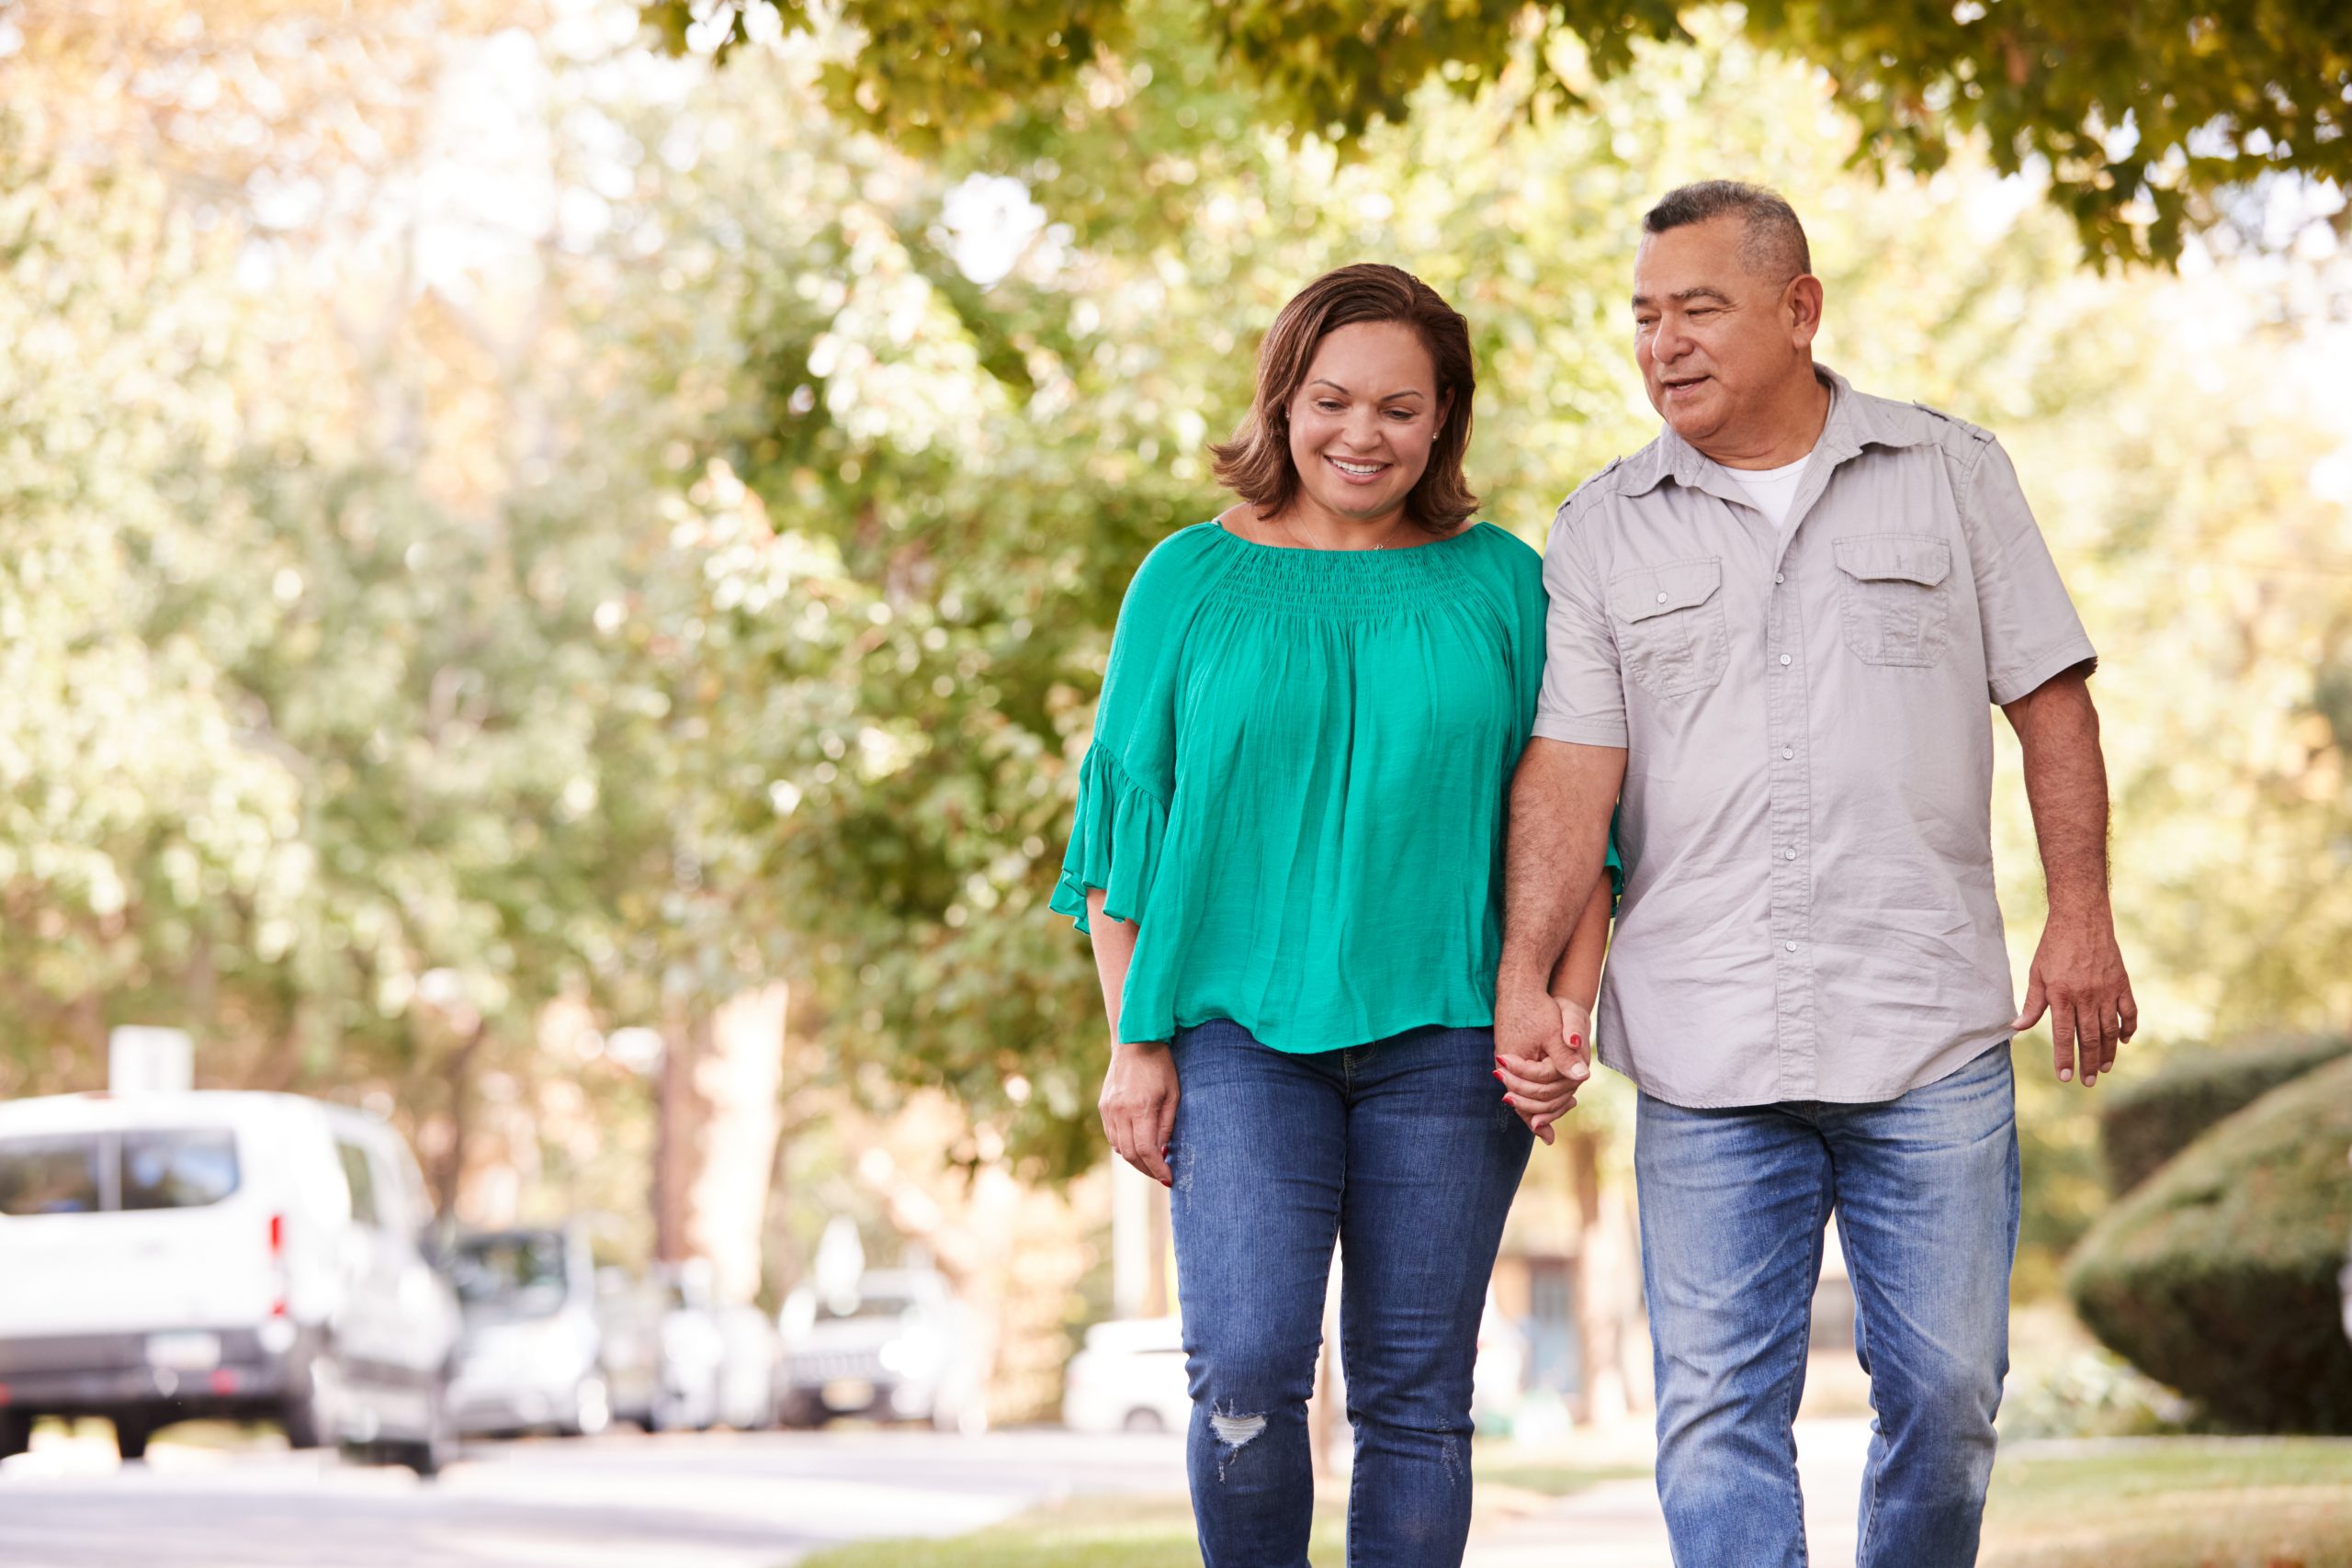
(1802, 300)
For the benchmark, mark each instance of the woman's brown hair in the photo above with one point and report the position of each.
(1256, 464)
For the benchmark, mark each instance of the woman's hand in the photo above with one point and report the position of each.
(1139, 1105)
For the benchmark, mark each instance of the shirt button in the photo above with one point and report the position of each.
(1789, 945)
(1784, 659)
(1790, 854)
(1662, 598)
(1788, 752)
(1777, 577)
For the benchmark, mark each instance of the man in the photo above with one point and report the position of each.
(1774, 630)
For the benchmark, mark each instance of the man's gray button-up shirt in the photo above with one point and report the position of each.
(1808, 911)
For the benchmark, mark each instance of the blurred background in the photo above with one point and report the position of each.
(559, 558)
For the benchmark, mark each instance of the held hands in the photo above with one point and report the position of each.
(2077, 977)
(1139, 1105)
(1541, 1058)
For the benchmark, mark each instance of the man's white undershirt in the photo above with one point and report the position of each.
(1773, 491)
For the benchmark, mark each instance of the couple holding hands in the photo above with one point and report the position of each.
(1368, 786)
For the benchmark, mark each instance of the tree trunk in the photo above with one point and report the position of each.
(740, 1079)
(1605, 1290)
(448, 1174)
(680, 1118)
(720, 1115)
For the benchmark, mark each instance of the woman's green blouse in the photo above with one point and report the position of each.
(1298, 782)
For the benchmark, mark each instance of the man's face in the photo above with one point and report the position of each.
(1719, 347)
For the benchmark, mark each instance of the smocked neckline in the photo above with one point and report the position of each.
(1342, 583)
(1309, 550)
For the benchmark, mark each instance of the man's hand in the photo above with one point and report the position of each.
(1138, 1106)
(1542, 1088)
(2078, 979)
(2077, 975)
(1527, 1022)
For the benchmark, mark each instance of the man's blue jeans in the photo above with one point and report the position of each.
(1404, 1151)
(1733, 1203)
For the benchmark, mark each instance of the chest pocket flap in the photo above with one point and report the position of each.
(1892, 558)
(1649, 590)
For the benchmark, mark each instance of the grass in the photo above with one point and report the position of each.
(1156, 1533)
(1095, 1532)
(2147, 1503)
(2173, 1503)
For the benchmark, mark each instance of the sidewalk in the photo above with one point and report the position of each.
(1617, 1523)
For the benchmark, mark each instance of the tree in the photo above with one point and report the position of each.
(2143, 118)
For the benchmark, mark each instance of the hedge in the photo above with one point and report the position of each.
(2218, 1274)
(2152, 1119)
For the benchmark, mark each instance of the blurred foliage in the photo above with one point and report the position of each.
(2147, 1123)
(2145, 118)
(618, 532)
(2219, 1275)
(2094, 1394)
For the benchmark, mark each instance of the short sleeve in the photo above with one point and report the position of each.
(1519, 593)
(1583, 698)
(2030, 630)
(1128, 775)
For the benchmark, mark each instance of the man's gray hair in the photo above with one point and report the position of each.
(1773, 245)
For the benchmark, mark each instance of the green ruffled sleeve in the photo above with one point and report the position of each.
(1128, 775)
(1113, 842)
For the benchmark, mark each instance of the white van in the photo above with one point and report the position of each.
(168, 1257)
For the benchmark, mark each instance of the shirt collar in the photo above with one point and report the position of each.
(1855, 422)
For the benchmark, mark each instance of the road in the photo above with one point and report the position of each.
(715, 1500)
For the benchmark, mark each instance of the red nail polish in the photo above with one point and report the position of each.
(1575, 1039)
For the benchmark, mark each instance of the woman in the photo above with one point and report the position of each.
(1287, 854)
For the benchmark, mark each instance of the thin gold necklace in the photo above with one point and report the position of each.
(1298, 543)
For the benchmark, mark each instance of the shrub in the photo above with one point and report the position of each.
(2218, 1275)
(2157, 1117)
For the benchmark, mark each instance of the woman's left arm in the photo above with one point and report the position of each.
(1576, 980)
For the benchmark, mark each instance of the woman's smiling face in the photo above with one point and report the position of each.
(1363, 422)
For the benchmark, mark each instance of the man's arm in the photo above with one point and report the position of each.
(2077, 975)
(1560, 803)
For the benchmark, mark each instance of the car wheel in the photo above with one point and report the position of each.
(15, 1433)
(309, 1414)
(130, 1435)
(428, 1454)
(1144, 1419)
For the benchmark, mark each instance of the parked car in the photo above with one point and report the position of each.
(532, 1355)
(900, 1347)
(665, 1350)
(170, 1255)
(749, 1354)
(1128, 1376)
(628, 1322)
